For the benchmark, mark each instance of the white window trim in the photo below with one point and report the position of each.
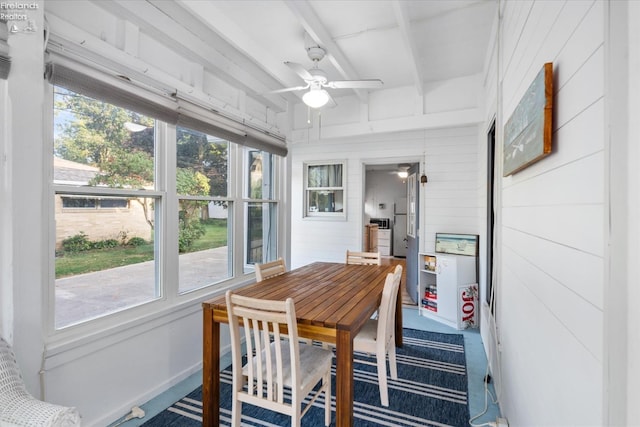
(171, 300)
(325, 215)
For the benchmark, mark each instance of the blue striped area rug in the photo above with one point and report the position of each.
(431, 390)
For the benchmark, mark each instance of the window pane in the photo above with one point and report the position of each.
(324, 176)
(105, 246)
(78, 203)
(325, 201)
(104, 259)
(260, 175)
(202, 164)
(203, 243)
(99, 144)
(261, 242)
(114, 203)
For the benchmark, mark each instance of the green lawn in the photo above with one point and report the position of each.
(70, 264)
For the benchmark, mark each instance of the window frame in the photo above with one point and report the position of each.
(307, 213)
(272, 199)
(170, 301)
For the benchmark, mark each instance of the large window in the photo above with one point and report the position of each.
(260, 208)
(203, 209)
(106, 208)
(324, 190)
(144, 210)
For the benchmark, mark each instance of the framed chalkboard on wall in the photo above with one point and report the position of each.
(527, 134)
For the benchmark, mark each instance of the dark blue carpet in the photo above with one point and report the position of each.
(431, 390)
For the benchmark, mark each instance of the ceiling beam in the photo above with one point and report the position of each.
(193, 40)
(317, 31)
(404, 23)
(234, 36)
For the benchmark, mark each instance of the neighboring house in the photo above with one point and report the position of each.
(100, 218)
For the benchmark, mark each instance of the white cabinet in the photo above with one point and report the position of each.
(384, 242)
(439, 276)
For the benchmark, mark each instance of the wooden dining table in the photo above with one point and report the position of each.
(332, 301)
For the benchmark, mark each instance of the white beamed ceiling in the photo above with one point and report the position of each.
(234, 52)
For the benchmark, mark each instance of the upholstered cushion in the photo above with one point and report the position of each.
(313, 361)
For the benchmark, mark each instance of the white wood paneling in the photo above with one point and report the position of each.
(452, 153)
(553, 218)
(633, 221)
(450, 200)
(581, 318)
(539, 359)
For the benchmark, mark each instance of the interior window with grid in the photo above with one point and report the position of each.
(325, 189)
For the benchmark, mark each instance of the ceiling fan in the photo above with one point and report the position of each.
(316, 80)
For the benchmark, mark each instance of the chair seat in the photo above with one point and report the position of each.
(313, 361)
(367, 337)
(377, 335)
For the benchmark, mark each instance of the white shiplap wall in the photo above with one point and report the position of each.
(553, 221)
(451, 168)
(450, 198)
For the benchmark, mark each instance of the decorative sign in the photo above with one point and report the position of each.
(468, 306)
(527, 134)
(457, 244)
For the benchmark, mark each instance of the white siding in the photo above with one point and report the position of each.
(449, 200)
(553, 222)
(632, 204)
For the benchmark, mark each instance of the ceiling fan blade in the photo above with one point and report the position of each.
(355, 84)
(332, 102)
(300, 70)
(287, 89)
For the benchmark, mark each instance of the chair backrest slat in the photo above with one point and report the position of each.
(270, 269)
(264, 323)
(363, 258)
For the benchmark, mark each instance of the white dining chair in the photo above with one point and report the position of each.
(279, 360)
(377, 336)
(270, 269)
(364, 258)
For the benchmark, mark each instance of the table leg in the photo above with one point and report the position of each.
(344, 379)
(210, 370)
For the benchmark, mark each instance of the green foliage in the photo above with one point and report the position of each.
(188, 233)
(103, 244)
(69, 264)
(126, 169)
(191, 183)
(97, 136)
(80, 243)
(196, 152)
(77, 243)
(136, 241)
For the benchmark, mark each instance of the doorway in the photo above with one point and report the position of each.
(385, 202)
(491, 153)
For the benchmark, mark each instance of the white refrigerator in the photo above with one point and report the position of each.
(400, 227)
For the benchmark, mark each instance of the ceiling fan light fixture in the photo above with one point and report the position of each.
(316, 98)
(403, 174)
